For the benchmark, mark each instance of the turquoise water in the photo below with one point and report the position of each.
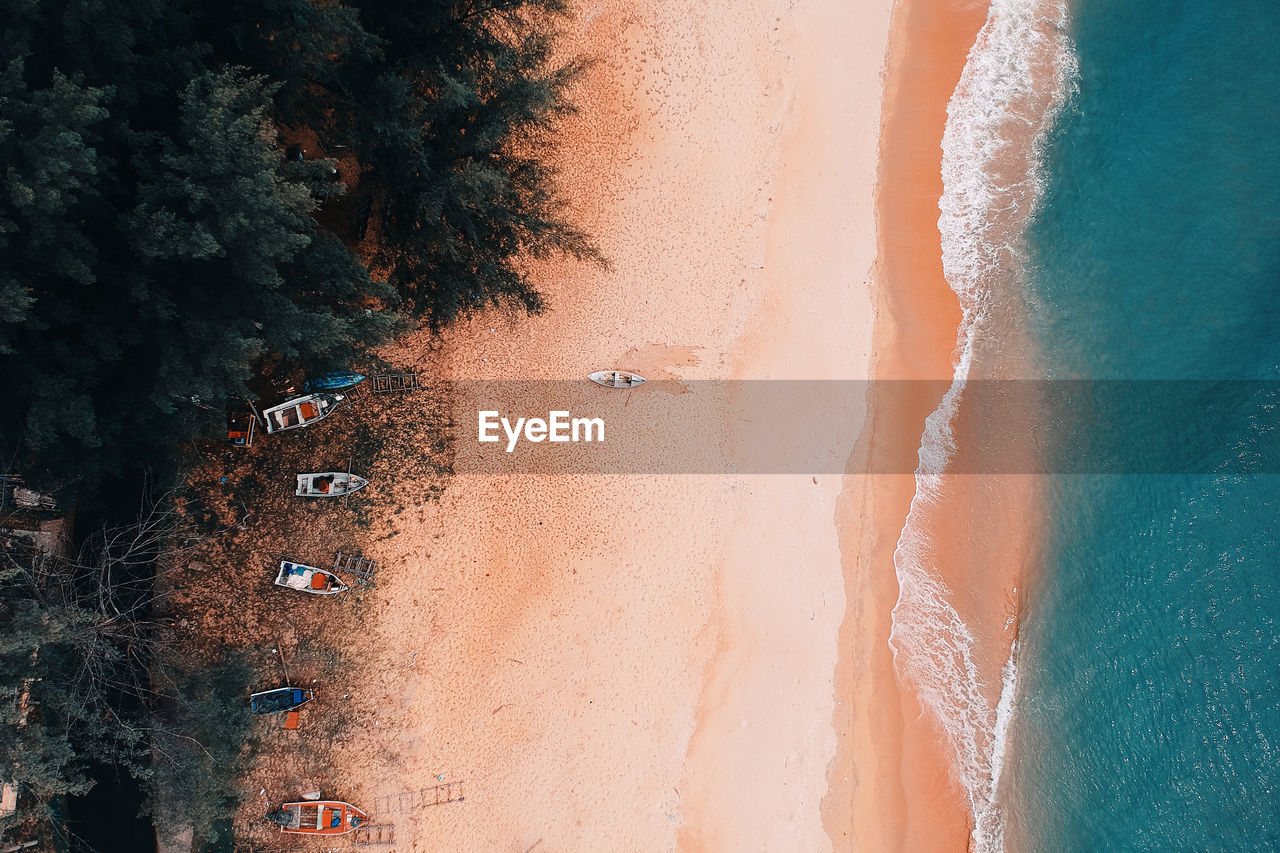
(1149, 693)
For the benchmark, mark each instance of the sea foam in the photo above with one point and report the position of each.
(1016, 78)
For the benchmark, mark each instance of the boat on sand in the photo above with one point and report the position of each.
(331, 484)
(309, 579)
(280, 699)
(300, 411)
(319, 817)
(617, 378)
(335, 381)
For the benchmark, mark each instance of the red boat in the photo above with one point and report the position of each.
(319, 817)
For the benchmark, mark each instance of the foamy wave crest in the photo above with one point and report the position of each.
(1016, 78)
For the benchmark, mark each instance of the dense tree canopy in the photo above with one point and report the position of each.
(162, 234)
(156, 242)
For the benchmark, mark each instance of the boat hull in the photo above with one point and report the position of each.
(330, 484)
(336, 381)
(309, 579)
(279, 700)
(300, 412)
(619, 379)
(323, 817)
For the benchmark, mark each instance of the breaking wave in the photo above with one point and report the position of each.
(1017, 76)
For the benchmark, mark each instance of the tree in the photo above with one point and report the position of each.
(454, 125)
(156, 244)
(449, 107)
(199, 752)
(38, 747)
(238, 267)
(124, 304)
(90, 674)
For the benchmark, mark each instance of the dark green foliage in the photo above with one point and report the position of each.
(92, 674)
(71, 676)
(447, 106)
(152, 254)
(36, 740)
(157, 246)
(237, 266)
(124, 307)
(453, 129)
(200, 754)
(155, 243)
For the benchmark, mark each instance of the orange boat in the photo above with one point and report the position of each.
(319, 817)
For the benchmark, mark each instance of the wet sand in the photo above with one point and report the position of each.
(901, 793)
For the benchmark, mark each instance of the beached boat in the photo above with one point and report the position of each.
(617, 378)
(309, 579)
(321, 817)
(331, 484)
(279, 700)
(300, 411)
(335, 381)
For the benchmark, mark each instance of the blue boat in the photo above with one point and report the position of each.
(335, 381)
(280, 699)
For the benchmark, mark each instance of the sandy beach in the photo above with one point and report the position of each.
(684, 662)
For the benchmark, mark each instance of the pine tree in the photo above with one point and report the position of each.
(454, 131)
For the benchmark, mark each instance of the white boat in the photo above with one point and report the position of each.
(300, 411)
(616, 378)
(309, 579)
(331, 484)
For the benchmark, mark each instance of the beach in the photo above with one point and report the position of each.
(684, 662)
(566, 426)
(908, 797)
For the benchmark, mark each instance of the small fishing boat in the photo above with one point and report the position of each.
(320, 817)
(617, 378)
(309, 579)
(300, 411)
(331, 484)
(280, 699)
(335, 381)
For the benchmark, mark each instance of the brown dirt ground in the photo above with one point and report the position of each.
(225, 598)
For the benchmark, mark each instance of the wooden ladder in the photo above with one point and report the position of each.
(387, 382)
(362, 567)
(371, 834)
(410, 801)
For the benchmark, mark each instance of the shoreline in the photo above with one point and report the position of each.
(905, 795)
(948, 556)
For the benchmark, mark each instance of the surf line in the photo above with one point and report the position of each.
(558, 426)
(1018, 74)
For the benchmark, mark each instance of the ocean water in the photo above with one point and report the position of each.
(1148, 698)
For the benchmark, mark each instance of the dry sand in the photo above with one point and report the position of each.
(699, 663)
